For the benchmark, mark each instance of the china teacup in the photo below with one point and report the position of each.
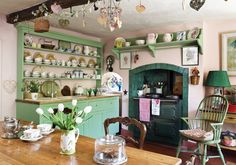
(68, 63)
(53, 62)
(44, 127)
(31, 133)
(140, 93)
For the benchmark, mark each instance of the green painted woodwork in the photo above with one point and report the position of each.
(102, 108)
(209, 117)
(159, 45)
(22, 29)
(167, 127)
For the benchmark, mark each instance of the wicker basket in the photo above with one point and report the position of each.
(194, 80)
(41, 25)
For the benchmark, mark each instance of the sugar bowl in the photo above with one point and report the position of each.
(110, 150)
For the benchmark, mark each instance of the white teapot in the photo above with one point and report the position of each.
(151, 38)
(167, 37)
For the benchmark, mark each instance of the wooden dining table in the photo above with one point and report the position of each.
(46, 151)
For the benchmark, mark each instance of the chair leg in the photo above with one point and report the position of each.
(179, 147)
(204, 156)
(221, 154)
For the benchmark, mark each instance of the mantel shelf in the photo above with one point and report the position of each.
(157, 46)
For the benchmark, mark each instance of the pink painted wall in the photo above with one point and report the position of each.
(210, 60)
(212, 49)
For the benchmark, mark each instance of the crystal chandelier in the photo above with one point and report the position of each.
(110, 13)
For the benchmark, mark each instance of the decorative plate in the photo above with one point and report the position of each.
(38, 55)
(78, 49)
(64, 45)
(113, 81)
(27, 53)
(50, 88)
(119, 42)
(194, 33)
(71, 58)
(82, 60)
(50, 57)
(32, 139)
(28, 40)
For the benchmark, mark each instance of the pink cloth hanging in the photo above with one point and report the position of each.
(144, 109)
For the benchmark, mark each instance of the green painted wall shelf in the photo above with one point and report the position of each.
(159, 45)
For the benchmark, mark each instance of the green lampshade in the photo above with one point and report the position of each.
(217, 79)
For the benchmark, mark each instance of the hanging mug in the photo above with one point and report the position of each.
(167, 37)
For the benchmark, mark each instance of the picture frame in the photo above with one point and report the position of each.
(228, 59)
(180, 36)
(190, 56)
(125, 60)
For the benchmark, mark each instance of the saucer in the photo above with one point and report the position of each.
(47, 132)
(32, 139)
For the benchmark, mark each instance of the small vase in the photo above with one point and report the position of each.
(34, 96)
(68, 141)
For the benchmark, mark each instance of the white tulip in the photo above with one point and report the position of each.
(39, 111)
(50, 110)
(79, 120)
(61, 107)
(74, 102)
(87, 109)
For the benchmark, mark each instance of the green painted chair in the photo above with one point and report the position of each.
(205, 128)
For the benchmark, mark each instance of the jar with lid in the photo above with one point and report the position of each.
(110, 150)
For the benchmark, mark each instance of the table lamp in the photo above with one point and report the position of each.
(218, 79)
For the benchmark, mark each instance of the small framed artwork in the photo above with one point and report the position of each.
(125, 60)
(190, 56)
(181, 36)
(228, 53)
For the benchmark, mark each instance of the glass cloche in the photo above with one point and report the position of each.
(110, 150)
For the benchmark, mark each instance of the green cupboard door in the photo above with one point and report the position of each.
(94, 126)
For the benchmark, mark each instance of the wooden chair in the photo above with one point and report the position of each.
(129, 121)
(205, 128)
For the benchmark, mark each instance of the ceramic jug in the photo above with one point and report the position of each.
(86, 50)
(151, 38)
(167, 37)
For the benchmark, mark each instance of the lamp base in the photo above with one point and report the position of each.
(218, 91)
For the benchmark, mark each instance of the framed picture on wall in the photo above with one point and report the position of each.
(125, 60)
(229, 53)
(190, 56)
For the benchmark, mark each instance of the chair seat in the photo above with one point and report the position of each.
(197, 134)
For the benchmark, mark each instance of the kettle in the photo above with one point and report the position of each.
(11, 127)
(151, 38)
(167, 37)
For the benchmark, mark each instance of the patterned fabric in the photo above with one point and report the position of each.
(197, 134)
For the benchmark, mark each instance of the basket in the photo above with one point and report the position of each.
(41, 25)
(194, 80)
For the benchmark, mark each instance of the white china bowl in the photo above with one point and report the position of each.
(140, 42)
(44, 127)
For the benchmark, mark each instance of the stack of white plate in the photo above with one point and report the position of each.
(28, 59)
(27, 73)
(38, 60)
(36, 74)
(47, 61)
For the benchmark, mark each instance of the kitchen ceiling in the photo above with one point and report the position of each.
(158, 14)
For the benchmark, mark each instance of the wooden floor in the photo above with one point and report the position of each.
(230, 156)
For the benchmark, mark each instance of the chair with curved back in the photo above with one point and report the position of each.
(128, 121)
(205, 128)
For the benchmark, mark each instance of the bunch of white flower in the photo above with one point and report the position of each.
(67, 121)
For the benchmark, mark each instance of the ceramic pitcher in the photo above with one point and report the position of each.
(167, 37)
(68, 141)
(151, 38)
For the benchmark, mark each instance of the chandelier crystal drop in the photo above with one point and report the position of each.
(110, 14)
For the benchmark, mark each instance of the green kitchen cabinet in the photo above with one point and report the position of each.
(102, 108)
